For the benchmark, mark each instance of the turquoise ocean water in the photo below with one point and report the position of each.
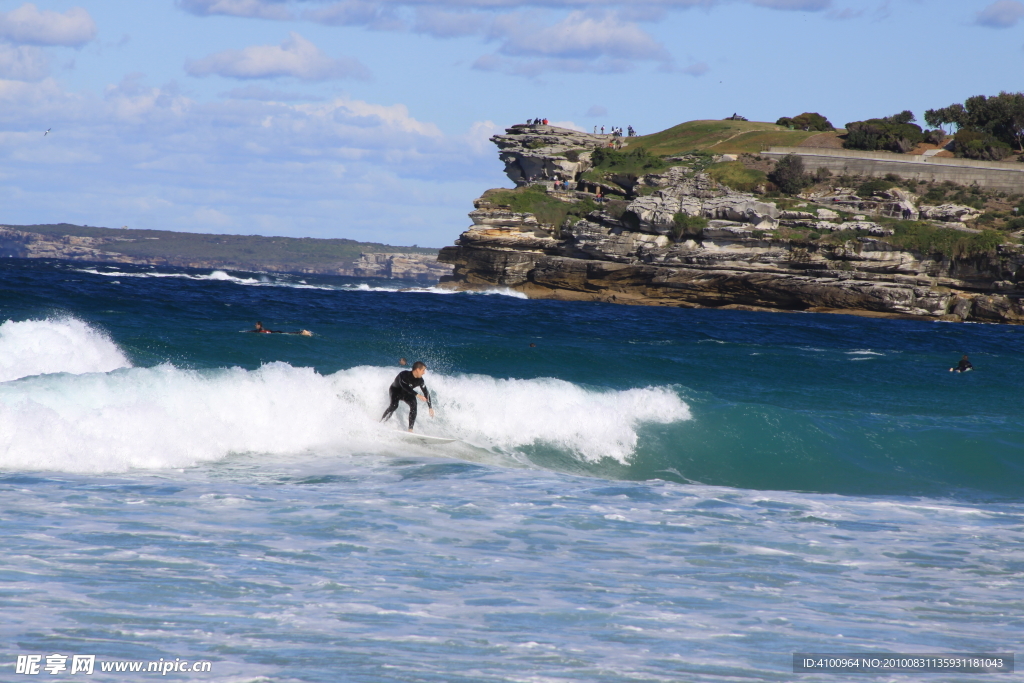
(646, 494)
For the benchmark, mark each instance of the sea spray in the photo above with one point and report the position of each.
(38, 347)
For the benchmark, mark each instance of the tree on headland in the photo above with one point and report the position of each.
(896, 133)
(807, 121)
(789, 176)
(987, 127)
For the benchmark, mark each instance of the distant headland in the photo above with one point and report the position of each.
(251, 253)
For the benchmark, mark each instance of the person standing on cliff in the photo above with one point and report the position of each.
(404, 389)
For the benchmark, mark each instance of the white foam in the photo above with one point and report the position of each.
(166, 417)
(495, 291)
(265, 281)
(511, 413)
(38, 347)
(217, 275)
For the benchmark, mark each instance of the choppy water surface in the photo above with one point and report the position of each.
(644, 495)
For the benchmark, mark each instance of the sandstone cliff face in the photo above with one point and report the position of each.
(738, 261)
(401, 266)
(536, 153)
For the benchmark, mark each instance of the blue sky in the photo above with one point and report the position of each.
(369, 119)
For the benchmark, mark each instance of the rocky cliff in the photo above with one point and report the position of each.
(746, 254)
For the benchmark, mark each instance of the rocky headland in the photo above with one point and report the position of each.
(829, 251)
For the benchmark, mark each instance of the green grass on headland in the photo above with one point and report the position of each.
(926, 238)
(549, 211)
(722, 137)
(737, 176)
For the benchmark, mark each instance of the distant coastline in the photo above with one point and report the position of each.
(251, 253)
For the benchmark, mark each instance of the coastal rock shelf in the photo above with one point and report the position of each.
(739, 260)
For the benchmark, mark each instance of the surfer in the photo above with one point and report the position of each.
(259, 329)
(404, 389)
(963, 366)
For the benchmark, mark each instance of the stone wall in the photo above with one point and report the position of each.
(1004, 176)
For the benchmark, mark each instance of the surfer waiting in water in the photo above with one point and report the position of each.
(963, 366)
(404, 389)
(262, 330)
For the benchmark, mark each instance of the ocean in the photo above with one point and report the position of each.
(636, 494)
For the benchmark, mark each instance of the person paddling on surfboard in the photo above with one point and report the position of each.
(404, 389)
(963, 366)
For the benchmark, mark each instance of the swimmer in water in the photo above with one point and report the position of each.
(404, 389)
(262, 330)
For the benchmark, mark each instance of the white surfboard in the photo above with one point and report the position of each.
(426, 438)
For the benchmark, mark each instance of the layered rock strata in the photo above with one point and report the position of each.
(401, 266)
(740, 260)
(534, 153)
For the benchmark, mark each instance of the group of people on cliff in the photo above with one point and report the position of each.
(617, 132)
(537, 122)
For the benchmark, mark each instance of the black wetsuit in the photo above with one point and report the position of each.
(964, 365)
(404, 389)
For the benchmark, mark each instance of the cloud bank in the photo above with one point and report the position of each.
(296, 57)
(26, 25)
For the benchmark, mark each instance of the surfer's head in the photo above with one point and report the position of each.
(419, 368)
(402, 361)
(259, 326)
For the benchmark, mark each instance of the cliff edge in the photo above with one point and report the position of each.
(677, 237)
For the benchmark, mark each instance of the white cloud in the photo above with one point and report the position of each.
(797, 5)
(578, 36)
(479, 136)
(257, 9)
(1001, 14)
(23, 63)
(441, 24)
(26, 25)
(845, 14)
(375, 15)
(259, 92)
(296, 57)
(697, 69)
(534, 68)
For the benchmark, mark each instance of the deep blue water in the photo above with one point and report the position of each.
(645, 494)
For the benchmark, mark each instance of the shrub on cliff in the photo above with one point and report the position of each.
(686, 226)
(869, 188)
(972, 144)
(806, 121)
(894, 133)
(789, 176)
